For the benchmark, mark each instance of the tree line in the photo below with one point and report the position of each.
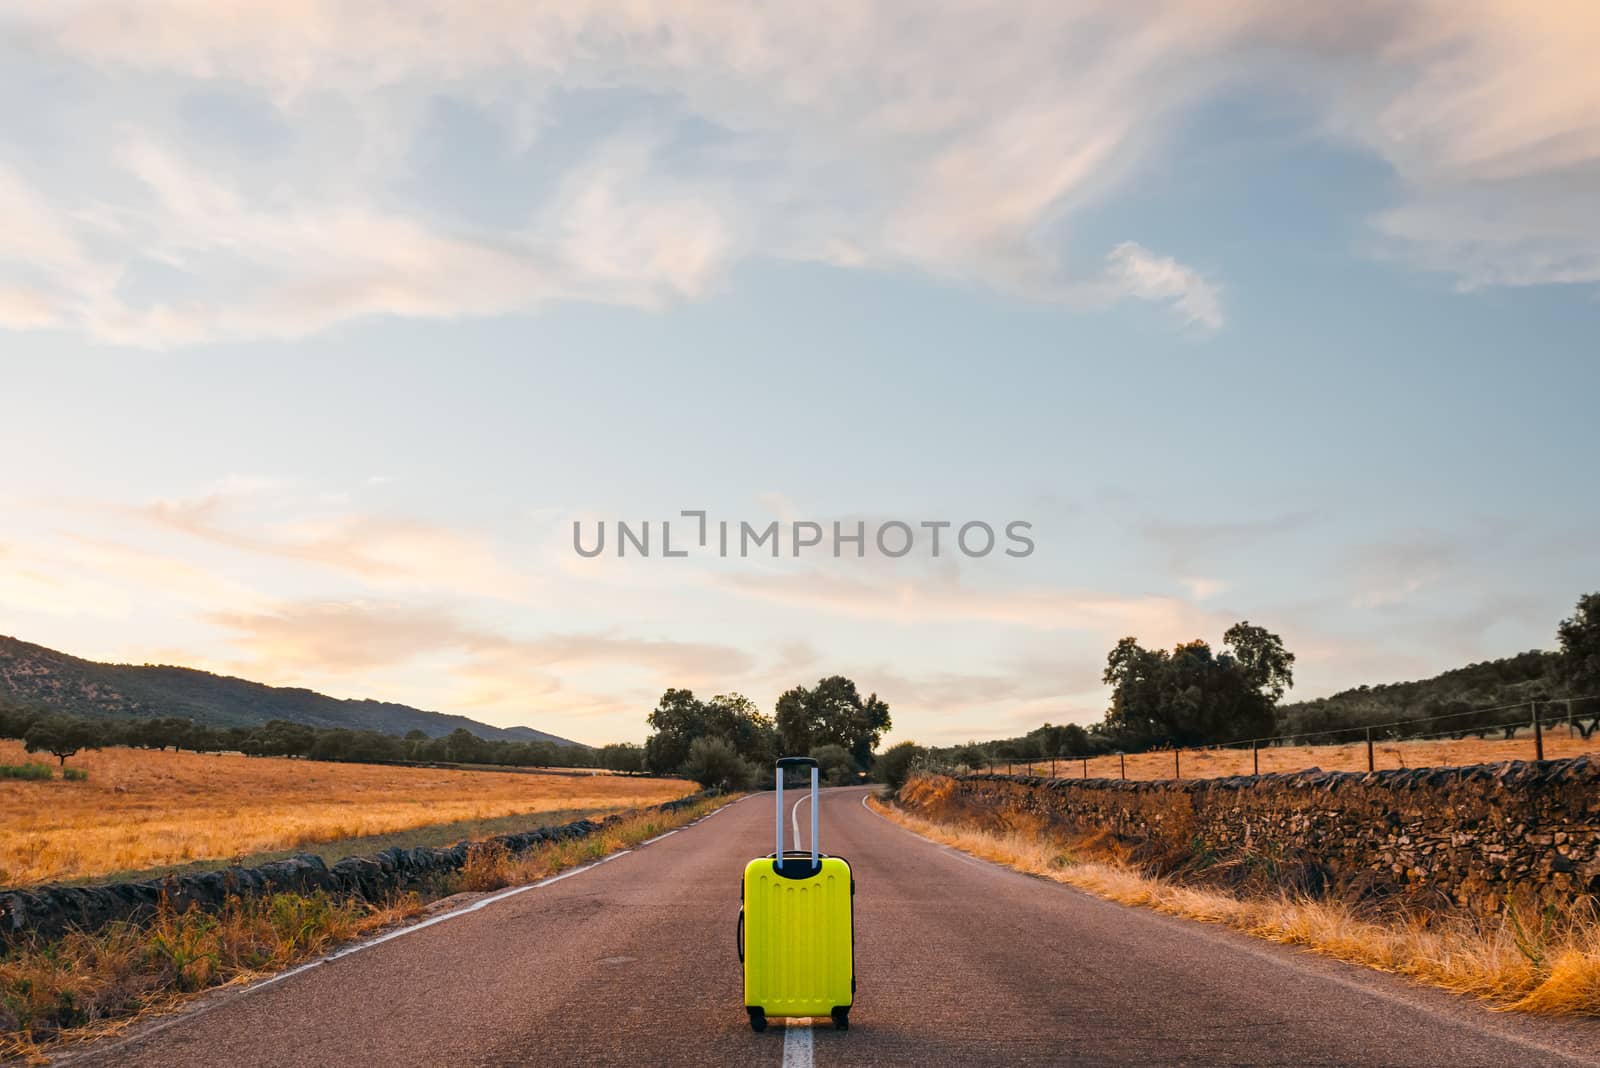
(63, 736)
(727, 742)
(1192, 695)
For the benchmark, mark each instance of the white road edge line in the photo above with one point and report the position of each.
(950, 851)
(481, 903)
(186, 1015)
(797, 1044)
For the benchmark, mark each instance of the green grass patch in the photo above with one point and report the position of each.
(31, 772)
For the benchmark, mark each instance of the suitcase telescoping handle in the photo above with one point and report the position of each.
(798, 762)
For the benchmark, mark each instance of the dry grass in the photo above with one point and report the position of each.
(1518, 960)
(87, 986)
(490, 867)
(1214, 763)
(142, 809)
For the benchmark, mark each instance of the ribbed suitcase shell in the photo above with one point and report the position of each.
(799, 945)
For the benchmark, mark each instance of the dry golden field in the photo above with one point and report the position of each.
(88, 985)
(1213, 763)
(142, 809)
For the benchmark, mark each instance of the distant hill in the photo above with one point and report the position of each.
(1510, 680)
(33, 675)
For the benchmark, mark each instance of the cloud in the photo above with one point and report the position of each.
(70, 574)
(920, 599)
(345, 636)
(1137, 272)
(379, 549)
(1203, 588)
(1189, 543)
(24, 308)
(526, 678)
(339, 637)
(1022, 692)
(870, 135)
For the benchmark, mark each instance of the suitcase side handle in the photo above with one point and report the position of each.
(738, 935)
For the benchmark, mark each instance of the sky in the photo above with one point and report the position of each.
(322, 325)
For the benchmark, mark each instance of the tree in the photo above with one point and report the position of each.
(1194, 696)
(61, 737)
(735, 717)
(716, 765)
(895, 764)
(461, 746)
(1268, 667)
(15, 721)
(1134, 675)
(622, 757)
(970, 756)
(1579, 666)
(832, 713)
(680, 718)
(1051, 743)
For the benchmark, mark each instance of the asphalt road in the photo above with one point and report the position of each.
(632, 962)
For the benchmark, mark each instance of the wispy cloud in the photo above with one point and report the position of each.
(916, 599)
(527, 675)
(867, 135)
(377, 548)
(1137, 272)
(1191, 543)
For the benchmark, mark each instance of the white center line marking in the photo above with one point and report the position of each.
(797, 1044)
(795, 812)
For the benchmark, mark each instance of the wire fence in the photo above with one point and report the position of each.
(1526, 730)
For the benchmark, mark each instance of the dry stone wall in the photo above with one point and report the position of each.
(1471, 833)
(47, 911)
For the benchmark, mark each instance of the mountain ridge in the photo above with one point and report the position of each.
(35, 674)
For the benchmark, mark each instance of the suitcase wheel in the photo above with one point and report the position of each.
(758, 1020)
(841, 1019)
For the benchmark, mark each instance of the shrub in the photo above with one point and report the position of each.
(896, 763)
(716, 765)
(837, 766)
(30, 771)
(73, 774)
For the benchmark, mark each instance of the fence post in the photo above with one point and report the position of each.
(1569, 717)
(1538, 732)
(1369, 750)
(1085, 767)
(1122, 764)
(1255, 757)
(1177, 766)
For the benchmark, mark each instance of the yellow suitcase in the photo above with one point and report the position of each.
(796, 928)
